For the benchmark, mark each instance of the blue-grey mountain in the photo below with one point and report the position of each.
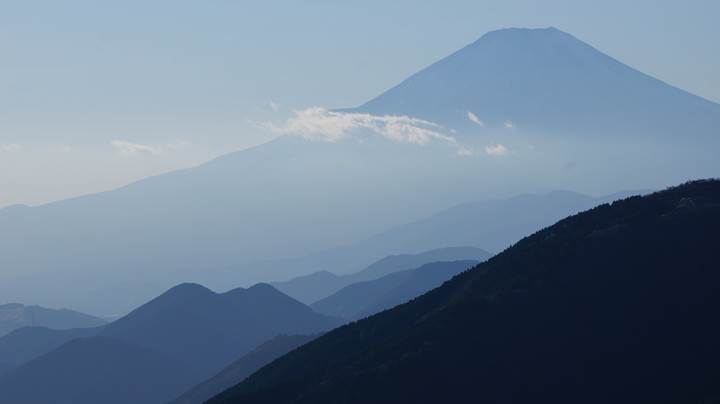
(549, 112)
(615, 304)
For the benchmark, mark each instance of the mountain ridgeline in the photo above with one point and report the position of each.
(363, 299)
(615, 304)
(318, 285)
(543, 103)
(163, 348)
(14, 316)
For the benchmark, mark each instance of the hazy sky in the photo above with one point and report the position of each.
(94, 94)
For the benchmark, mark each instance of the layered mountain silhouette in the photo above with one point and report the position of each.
(96, 370)
(615, 304)
(191, 331)
(318, 285)
(556, 114)
(494, 224)
(243, 367)
(363, 299)
(15, 315)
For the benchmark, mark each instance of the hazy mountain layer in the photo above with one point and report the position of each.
(363, 299)
(549, 112)
(311, 288)
(198, 330)
(14, 316)
(615, 304)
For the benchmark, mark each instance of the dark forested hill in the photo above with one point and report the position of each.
(616, 304)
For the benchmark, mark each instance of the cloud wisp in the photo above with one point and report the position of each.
(129, 148)
(497, 150)
(475, 119)
(318, 123)
(11, 147)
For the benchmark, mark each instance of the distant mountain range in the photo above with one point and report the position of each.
(14, 316)
(615, 304)
(363, 299)
(243, 367)
(493, 224)
(517, 111)
(311, 288)
(182, 337)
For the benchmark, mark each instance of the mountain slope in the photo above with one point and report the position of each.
(197, 329)
(363, 299)
(95, 370)
(547, 81)
(318, 285)
(14, 316)
(494, 224)
(612, 305)
(243, 367)
(557, 112)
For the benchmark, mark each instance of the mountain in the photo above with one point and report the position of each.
(5, 368)
(318, 285)
(363, 299)
(25, 344)
(548, 82)
(14, 316)
(494, 224)
(243, 367)
(95, 370)
(615, 304)
(559, 115)
(199, 330)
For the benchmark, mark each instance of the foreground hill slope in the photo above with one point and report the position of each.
(616, 304)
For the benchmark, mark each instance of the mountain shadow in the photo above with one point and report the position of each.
(616, 304)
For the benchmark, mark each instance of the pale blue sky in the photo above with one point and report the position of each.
(79, 72)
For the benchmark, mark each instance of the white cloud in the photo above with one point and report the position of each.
(274, 105)
(465, 152)
(11, 147)
(321, 124)
(129, 148)
(497, 150)
(510, 124)
(475, 119)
